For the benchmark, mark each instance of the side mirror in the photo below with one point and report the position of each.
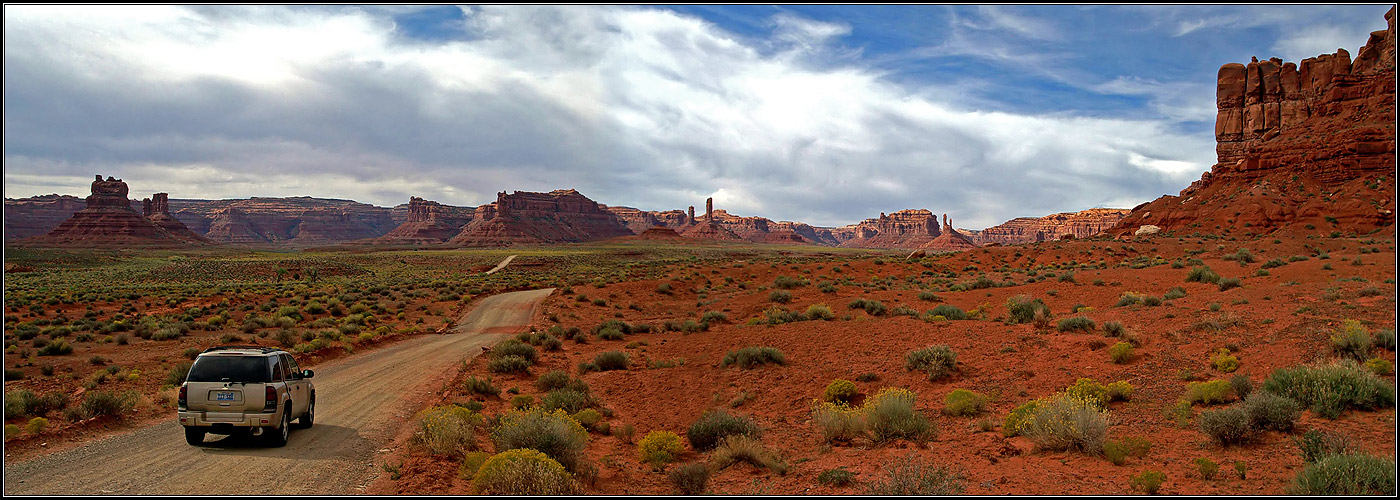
(307, 374)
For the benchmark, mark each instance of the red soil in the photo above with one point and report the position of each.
(1284, 319)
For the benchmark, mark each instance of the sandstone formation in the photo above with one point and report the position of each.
(950, 241)
(428, 222)
(157, 210)
(910, 228)
(532, 218)
(1051, 227)
(657, 233)
(39, 214)
(1297, 146)
(711, 231)
(108, 219)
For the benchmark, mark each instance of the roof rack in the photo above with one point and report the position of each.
(263, 349)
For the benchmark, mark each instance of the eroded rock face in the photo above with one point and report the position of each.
(711, 231)
(38, 215)
(157, 210)
(950, 241)
(293, 221)
(1297, 145)
(911, 228)
(1081, 224)
(524, 217)
(109, 220)
(428, 222)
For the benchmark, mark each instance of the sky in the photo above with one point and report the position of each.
(821, 114)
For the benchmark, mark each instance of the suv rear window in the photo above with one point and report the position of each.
(252, 369)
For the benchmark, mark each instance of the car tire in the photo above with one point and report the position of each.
(277, 437)
(194, 436)
(307, 419)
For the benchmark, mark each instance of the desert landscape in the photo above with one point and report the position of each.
(1236, 338)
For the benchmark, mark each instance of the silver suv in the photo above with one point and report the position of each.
(245, 390)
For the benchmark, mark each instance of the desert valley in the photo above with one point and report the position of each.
(1235, 338)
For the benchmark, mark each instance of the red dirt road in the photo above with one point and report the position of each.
(362, 402)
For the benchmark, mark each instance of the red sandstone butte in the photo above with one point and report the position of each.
(1306, 148)
(429, 222)
(523, 217)
(912, 228)
(950, 241)
(109, 220)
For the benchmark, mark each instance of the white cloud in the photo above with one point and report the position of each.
(636, 107)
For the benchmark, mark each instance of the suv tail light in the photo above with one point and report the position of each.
(270, 398)
(184, 401)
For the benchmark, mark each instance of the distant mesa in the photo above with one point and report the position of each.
(1082, 224)
(911, 228)
(1297, 145)
(428, 222)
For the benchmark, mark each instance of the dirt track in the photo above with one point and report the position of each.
(361, 403)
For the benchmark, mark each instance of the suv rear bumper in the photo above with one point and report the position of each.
(216, 420)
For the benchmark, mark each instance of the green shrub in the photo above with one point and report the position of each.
(104, 403)
(1175, 293)
(1207, 468)
(1228, 283)
(1354, 474)
(909, 476)
(937, 361)
(1241, 385)
(25, 403)
(57, 348)
(890, 414)
(714, 425)
(1121, 352)
(1331, 389)
(1270, 411)
(523, 472)
(691, 479)
(37, 425)
(1128, 299)
(659, 448)
(839, 391)
(514, 347)
(741, 448)
(1385, 339)
(1077, 323)
(588, 418)
(786, 283)
(1228, 426)
(610, 334)
(522, 401)
(964, 403)
(1118, 452)
(482, 386)
(1316, 444)
(569, 400)
(819, 312)
(611, 360)
(178, 374)
(553, 433)
(752, 357)
(1203, 274)
(871, 307)
(557, 379)
(836, 477)
(1023, 309)
(1088, 390)
(509, 364)
(780, 296)
(448, 430)
(1067, 422)
(1212, 392)
(948, 311)
(1148, 481)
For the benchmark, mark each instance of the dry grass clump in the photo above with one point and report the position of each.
(447, 430)
(523, 472)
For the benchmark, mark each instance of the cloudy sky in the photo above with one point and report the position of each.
(826, 115)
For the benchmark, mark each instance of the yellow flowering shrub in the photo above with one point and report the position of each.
(523, 472)
(660, 447)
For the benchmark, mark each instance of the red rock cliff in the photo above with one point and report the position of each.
(1081, 224)
(428, 222)
(526, 218)
(911, 228)
(1297, 146)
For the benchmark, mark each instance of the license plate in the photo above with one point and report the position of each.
(223, 396)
